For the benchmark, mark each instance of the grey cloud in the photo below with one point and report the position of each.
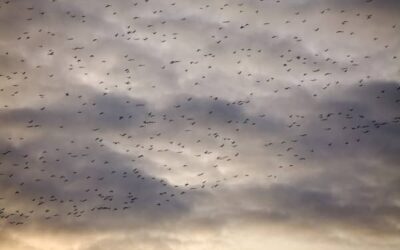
(286, 127)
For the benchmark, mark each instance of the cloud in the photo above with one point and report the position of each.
(199, 125)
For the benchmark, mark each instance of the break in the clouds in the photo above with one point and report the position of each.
(199, 125)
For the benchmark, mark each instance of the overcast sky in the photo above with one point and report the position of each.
(198, 125)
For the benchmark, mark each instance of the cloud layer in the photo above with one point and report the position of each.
(199, 125)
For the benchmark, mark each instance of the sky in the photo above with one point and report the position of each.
(199, 124)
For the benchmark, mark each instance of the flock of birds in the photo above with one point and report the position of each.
(79, 158)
